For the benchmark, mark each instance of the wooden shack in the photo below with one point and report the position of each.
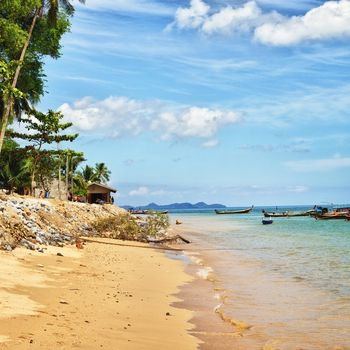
(98, 193)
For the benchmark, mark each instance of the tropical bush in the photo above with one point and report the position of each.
(127, 227)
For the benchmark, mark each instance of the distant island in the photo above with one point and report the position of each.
(154, 206)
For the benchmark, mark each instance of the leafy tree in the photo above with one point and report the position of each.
(14, 172)
(88, 174)
(35, 26)
(44, 128)
(102, 174)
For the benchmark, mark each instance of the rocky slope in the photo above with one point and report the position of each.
(34, 223)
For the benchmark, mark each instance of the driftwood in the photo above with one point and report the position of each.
(171, 239)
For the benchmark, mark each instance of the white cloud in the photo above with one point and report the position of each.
(297, 189)
(210, 143)
(194, 122)
(145, 191)
(230, 19)
(328, 21)
(193, 16)
(141, 191)
(318, 165)
(120, 116)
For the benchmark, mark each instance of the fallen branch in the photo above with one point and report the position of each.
(169, 240)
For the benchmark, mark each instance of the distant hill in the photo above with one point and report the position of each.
(199, 205)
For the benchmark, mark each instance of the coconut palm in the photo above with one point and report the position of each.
(88, 174)
(102, 173)
(51, 8)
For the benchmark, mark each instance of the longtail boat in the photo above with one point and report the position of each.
(288, 214)
(332, 216)
(146, 212)
(242, 211)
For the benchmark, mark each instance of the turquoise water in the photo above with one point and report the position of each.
(290, 280)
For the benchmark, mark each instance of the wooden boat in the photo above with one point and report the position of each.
(332, 216)
(267, 221)
(146, 212)
(242, 211)
(138, 211)
(288, 213)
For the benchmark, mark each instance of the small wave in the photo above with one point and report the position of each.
(205, 273)
(240, 326)
(192, 256)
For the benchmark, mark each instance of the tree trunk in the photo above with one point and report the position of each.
(32, 184)
(8, 103)
(72, 176)
(59, 179)
(67, 174)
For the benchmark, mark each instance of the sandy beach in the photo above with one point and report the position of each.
(111, 295)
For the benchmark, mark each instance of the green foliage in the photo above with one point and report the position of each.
(87, 174)
(127, 227)
(44, 128)
(80, 187)
(122, 227)
(47, 169)
(101, 173)
(6, 75)
(29, 30)
(155, 223)
(14, 172)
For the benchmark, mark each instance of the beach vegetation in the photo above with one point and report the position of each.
(127, 227)
(42, 129)
(14, 172)
(29, 31)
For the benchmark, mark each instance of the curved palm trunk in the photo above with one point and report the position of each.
(9, 101)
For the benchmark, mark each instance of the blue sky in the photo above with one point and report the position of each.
(237, 102)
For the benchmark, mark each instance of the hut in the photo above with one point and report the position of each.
(99, 193)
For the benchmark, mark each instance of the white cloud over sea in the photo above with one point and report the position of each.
(116, 116)
(330, 20)
(319, 165)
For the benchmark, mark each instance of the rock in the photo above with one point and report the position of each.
(63, 302)
(29, 245)
(59, 254)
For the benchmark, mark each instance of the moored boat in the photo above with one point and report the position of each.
(145, 211)
(242, 211)
(288, 213)
(266, 221)
(332, 216)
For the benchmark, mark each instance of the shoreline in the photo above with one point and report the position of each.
(258, 306)
(105, 296)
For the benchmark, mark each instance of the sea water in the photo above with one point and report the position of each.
(282, 286)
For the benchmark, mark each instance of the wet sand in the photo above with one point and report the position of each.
(104, 296)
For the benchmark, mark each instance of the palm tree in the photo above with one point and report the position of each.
(88, 174)
(102, 173)
(14, 167)
(52, 9)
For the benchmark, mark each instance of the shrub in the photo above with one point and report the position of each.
(127, 227)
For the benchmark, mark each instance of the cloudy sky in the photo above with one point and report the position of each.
(230, 101)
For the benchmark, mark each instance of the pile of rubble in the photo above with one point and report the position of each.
(34, 223)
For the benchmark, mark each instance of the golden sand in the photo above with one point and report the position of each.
(105, 296)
